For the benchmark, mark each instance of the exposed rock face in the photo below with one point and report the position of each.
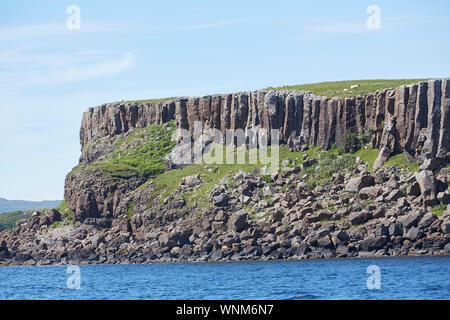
(387, 145)
(413, 119)
(300, 223)
(120, 216)
(420, 111)
(427, 185)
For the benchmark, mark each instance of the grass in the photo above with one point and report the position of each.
(329, 162)
(154, 101)
(211, 174)
(336, 88)
(141, 152)
(130, 211)
(439, 209)
(370, 154)
(399, 160)
(367, 154)
(65, 210)
(330, 88)
(67, 217)
(166, 183)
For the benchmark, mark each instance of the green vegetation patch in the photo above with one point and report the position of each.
(130, 211)
(400, 160)
(336, 88)
(439, 209)
(211, 174)
(154, 101)
(328, 163)
(67, 217)
(141, 152)
(8, 220)
(367, 154)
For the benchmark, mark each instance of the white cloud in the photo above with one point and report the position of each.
(312, 28)
(21, 68)
(97, 70)
(208, 25)
(49, 30)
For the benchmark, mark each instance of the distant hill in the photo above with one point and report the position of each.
(8, 220)
(14, 205)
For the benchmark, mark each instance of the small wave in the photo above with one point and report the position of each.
(303, 297)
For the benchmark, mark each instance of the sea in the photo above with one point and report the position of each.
(409, 278)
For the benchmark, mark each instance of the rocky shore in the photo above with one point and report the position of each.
(360, 214)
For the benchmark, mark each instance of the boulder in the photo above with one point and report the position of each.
(358, 217)
(413, 189)
(395, 229)
(445, 227)
(427, 220)
(239, 220)
(53, 215)
(394, 195)
(192, 181)
(387, 143)
(221, 200)
(413, 234)
(373, 242)
(324, 215)
(4, 253)
(427, 184)
(357, 183)
(410, 220)
(369, 192)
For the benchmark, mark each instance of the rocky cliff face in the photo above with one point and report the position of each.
(123, 207)
(418, 115)
(412, 119)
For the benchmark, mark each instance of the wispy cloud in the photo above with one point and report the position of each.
(21, 69)
(310, 29)
(34, 31)
(98, 69)
(209, 25)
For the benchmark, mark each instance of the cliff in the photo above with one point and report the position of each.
(122, 205)
(419, 114)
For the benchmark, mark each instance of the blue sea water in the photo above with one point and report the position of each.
(400, 278)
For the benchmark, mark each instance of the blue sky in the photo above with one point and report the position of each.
(131, 49)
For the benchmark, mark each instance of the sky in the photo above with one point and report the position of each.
(50, 72)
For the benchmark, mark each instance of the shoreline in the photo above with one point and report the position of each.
(368, 256)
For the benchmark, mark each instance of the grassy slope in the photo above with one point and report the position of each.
(141, 152)
(331, 161)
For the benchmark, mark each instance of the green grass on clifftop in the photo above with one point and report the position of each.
(330, 88)
(336, 88)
